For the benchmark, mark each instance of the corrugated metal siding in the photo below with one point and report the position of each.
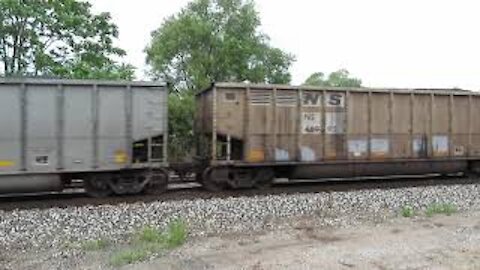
(64, 125)
(284, 123)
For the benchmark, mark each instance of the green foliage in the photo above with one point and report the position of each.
(95, 245)
(210, 40)
(215, 40)
(181, 108)
(408, 211)
(176, 234)
(129, 256)
(340, 78)
(150, 241)
(58, 38)
(440, 208)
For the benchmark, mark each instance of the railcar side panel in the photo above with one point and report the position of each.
(401, 121)
(474, 149)
(41, 129)
(280, 125)
(54, 126)
(77, 141)
(10, 135)
(460, 126)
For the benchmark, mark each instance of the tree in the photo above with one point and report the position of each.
(210, 40)
(215, 40)
(58, 38)
(180, 125)
(339, 78)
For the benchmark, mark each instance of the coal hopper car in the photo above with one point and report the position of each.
(247, 134)
(111, 135)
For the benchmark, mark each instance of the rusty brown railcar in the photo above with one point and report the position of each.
(250, 133)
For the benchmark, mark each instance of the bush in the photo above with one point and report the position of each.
(408, 211)
(176, 234)
(440, 208)
(181, 108)
(149, 241)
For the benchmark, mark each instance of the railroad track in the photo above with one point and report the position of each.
(191, 191)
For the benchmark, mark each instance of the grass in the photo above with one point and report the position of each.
(149, 241)
(129, 256)
(176, 234)
(150, 235)
(440, 208)
(408, 211)
(94, 245)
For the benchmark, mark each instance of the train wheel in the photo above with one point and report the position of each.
(213, 179)
(264, 178)
(158, 182)
(96, 187)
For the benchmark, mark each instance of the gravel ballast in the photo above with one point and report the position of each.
(54, 227)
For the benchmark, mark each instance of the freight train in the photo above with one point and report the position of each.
(113, 135)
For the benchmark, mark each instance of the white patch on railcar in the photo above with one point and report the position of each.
(357, 147)
(440, 144)
(307, 154)
(379, 146)
(419, 145)
(335, 123)
(459, 150)
(311, 123)
(281, 154)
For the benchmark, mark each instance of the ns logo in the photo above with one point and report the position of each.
(313, 99)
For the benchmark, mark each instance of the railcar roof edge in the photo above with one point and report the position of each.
(436, 91)
(42, 81)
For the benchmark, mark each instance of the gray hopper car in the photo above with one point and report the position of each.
(252, 133)
(113, 135)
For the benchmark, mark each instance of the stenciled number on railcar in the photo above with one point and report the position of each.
(311, 123)
(335, 123)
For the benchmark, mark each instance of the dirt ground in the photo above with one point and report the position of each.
(439, 242)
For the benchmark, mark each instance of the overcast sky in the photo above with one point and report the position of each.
(404, 43)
